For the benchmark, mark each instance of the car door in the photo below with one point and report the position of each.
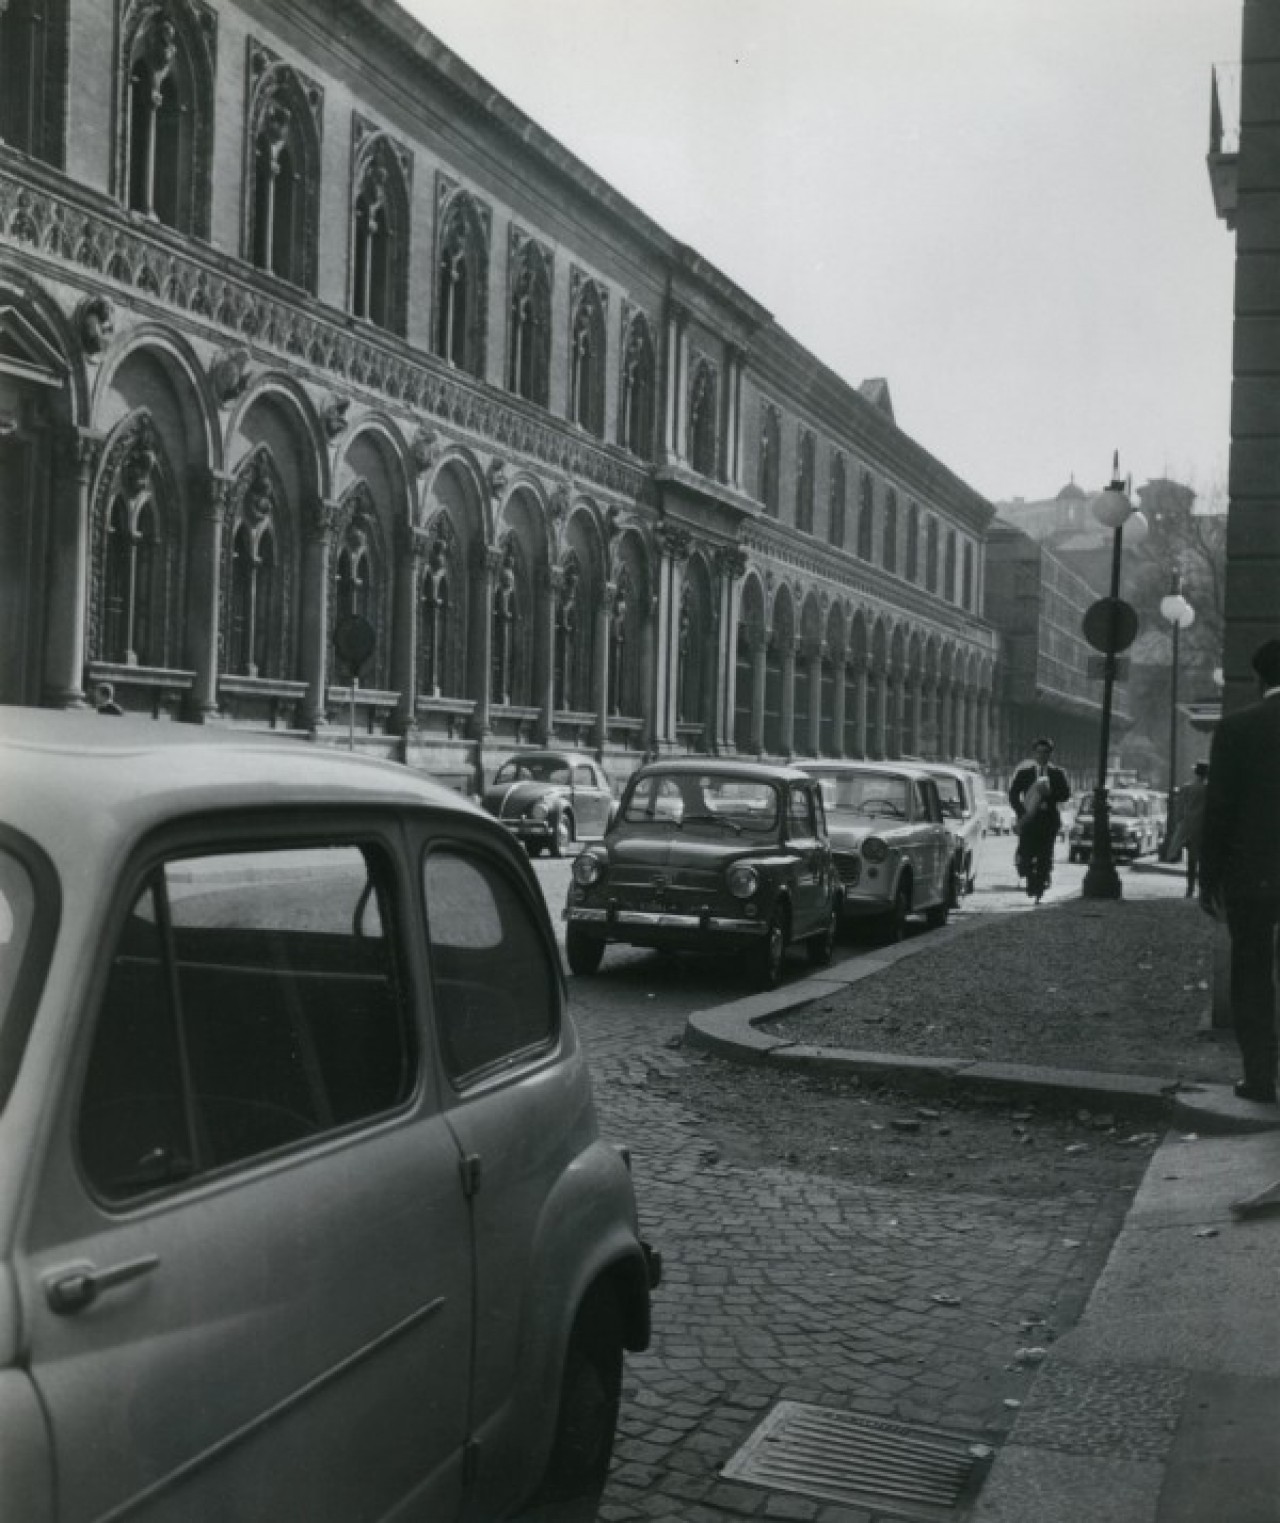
(936, 848)
(810, 895)
(246, 1271)
(592, 799)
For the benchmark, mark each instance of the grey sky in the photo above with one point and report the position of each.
(1000, 205)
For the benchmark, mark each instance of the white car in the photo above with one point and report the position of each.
(964, 807)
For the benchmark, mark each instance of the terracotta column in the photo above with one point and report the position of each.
(66, 620)
(204, 595)
(815, 654)
(787, 739)
(604, 622)
(411, 552)
(860, 709)
(759, 675)
(488, 562)
(313, 634)
(838, 705)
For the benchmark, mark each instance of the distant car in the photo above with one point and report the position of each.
(1000, 816)
(550, 799)
(304, 1211)
(964, 807)
(893, 850)
(709, 856)
(1130, 828)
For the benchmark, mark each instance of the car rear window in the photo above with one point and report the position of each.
(17, 916)
(875, 795)
(253, 1001)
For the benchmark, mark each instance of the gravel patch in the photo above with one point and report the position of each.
(1116, 986)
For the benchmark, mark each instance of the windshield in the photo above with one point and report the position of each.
(702, 800)
(873, 795)
(538, 769)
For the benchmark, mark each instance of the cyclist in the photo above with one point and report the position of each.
(1038, 787)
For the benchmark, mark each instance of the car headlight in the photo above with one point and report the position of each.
(742, 881)
(874, 849)
(587, 869)
(539, 810)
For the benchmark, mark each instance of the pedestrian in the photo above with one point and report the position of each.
(1240, 868)
(1190, 828)
(104, 699)
(1038, 787)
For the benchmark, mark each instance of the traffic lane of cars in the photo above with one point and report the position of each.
(244, 1118)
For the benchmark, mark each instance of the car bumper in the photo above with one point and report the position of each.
(663, 927)
(529, 830)
(856, 906)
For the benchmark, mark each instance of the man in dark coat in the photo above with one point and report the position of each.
(1038, 787)
(1240, 868)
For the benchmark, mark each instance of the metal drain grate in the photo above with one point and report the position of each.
(920, 1473)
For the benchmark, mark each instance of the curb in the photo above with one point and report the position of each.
(731, 1031)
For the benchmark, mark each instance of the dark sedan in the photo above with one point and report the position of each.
(709, 856)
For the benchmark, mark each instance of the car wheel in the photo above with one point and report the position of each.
(561, 835)
(823, 945)
(895, 922)
(771, 952)
(936, 917)
(584, 950)
(590, 1392)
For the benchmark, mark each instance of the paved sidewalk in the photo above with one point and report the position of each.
(1163, 1404)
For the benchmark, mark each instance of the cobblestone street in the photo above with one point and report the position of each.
(911, 1303)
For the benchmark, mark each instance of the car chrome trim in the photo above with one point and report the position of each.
(659, 918)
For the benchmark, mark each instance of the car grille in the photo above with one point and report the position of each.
(849, 866)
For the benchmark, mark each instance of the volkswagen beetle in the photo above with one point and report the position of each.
(709, 856)
(892, 849)
(550, 799)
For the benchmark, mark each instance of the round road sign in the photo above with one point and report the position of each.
(354, 640)
(1110, 625)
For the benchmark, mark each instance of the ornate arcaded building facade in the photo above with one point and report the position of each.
(300, 321)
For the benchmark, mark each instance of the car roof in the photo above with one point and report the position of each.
(905, 769)
(723, 767)
(72, 777)
(545, 755)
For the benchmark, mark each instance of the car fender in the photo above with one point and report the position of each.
(26, 1475)
(587, 1234)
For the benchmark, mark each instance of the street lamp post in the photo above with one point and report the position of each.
(1180, 615)
(1113, 509)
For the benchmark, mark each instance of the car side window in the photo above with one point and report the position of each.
(800, 811)
(496, 994)
(583, 777)
(927, 805)
(254, 1000)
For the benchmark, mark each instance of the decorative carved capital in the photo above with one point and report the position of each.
(85, 448)
(426, 448)
(95, 323)
(678, 313)
(213, 496)
(229, 374)
(321, 519)
(497, 479)
(731, 562)
(333, 416)
(674, 541)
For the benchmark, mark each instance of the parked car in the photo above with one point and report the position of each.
(999, 814)
(304, 1212)
(893, 851)
(709, 856)
(1129, 829)
(550, 799)
(964, 807)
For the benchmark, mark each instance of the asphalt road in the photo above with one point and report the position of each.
(905, 1301)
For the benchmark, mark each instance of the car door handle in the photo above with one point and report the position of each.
(73, 1289)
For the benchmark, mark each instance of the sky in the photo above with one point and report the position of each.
(1000, 206)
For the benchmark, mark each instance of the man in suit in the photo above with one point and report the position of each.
(1240, 868)
(1038, 787)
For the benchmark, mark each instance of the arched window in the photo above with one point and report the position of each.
(33, 51)
(586, 376)
(135, 567)
(866, 516)
(839, 491)
(889, 558)
(912, 569)
(164, 154)
(380, 232)
(462, 284)
(806, 471)
(530, 354)
(949, 575)
(931, 556)
(253, 585)
(968, 575)
(284, 172)
(511, 639)
(703, 433)
(434, 619)
(638, 388)
(770, 457)
(568, 616)
(624, 668)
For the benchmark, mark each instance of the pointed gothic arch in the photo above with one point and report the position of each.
(589, 304)
(462, 280)
(380, 228)
(282, 170)
(638, 388)
(529, 327)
